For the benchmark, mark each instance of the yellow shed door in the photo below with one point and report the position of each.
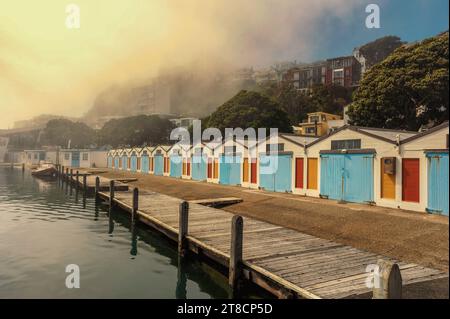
(245, 168)
(387, 184)
(312, 173)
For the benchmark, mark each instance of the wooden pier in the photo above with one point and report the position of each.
(285, 262)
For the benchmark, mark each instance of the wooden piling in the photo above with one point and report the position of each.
(70, 176)
(23, 167)
(67, 175)
(84, 183)
(387, 281)
(97, 186)
(77, 179)
(235, 270)
(111, 195)
(135, 204)
(183, 220)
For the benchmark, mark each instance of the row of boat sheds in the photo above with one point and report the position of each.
(389, 168)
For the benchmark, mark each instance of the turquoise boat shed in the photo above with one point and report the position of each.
(347, 176)
(176, 165)
(230, 169)
(275, 171)
(438, 182)
(116, 160)
(145, 161)
(133, 161)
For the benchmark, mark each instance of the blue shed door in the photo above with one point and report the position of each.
(110, 159)
(275, 172)
(438, 183)
(266, 178)
(199, 167)
(347, 177)
(76, 159)
(176, 165)
(230, 170)
(124, 162)
(116, 162)
(159, 165)
(283, 174)
(133, 162)
(145, 164)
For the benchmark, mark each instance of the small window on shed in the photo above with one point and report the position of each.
(275, 147)
(229, 149)
(346, 144)
(66, 156)
(85, 156)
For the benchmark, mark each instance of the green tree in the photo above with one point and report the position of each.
(330, 98)
(250, 110)
(378, 50)
(59, 132)
(407, 90)
(136, 131)
(296, 104)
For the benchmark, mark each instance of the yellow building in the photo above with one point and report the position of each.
(319, 124)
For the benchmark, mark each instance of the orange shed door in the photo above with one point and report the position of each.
(216, 168)
(245, 168)
(387, 184)
(411, 180)
(299, 173)
(312, 173)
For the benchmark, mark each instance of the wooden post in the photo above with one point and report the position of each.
(85, 183)
(387, 282)
(77, 179)
(71, 175)
(135, 204)
(62, 171)
(237, 230)
(23, 167)
(67, 175)
(97, 186)
(111, 195)
(183, 221)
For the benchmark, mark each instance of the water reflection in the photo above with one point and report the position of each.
(118, 258)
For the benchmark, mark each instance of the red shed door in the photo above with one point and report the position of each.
(253, 170)
(299, 173)
(411, 180)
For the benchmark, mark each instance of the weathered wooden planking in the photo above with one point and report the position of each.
(104, 182)
(307, 265)
(216, 202)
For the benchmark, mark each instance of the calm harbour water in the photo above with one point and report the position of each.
(45, 226)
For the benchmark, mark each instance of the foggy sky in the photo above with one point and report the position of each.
(47, 68)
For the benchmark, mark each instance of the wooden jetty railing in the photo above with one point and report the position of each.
(285, 262)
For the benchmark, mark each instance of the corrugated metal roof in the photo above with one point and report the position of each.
(300, 139)
(388, 134)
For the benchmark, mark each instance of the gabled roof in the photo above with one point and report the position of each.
(300, 140)
(386, 135)
(430, 131)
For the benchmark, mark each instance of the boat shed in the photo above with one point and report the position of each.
(424, 164)
(355, 164)
(85, 158)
